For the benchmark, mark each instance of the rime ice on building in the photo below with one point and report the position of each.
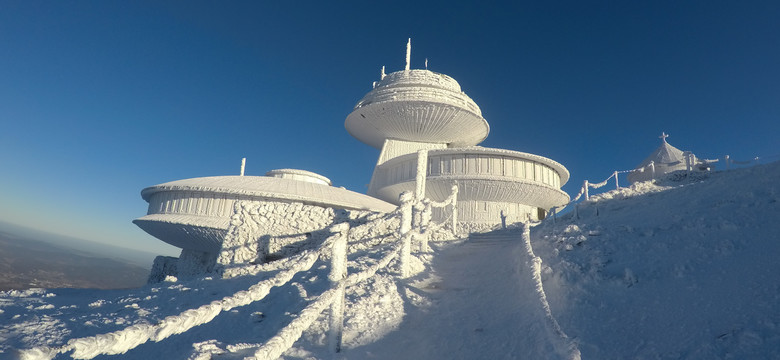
(665, 159)
(412, 110)
(407, 111)
(194, 214)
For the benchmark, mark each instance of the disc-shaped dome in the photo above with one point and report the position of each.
(195, 213)
(417, 105)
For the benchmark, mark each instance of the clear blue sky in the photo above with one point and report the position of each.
(99, 99)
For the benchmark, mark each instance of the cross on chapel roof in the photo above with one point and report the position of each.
(664, 136)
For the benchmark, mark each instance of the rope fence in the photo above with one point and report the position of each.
(690, 160)
(411, 208)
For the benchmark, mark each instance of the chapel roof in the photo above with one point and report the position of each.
(664, 154)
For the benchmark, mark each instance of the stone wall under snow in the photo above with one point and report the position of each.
(261, 232)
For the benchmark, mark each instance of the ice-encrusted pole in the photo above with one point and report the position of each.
(408, 54)
(422, 165)
(425, 221)
(617, 185)
(652, 170)
(243, 165)
(585, 186)
(404, 231)
(338, 272)
(382, 75)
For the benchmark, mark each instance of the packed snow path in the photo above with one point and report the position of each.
(480, 298)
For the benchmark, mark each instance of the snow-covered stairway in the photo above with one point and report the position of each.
(492, 238)
(478, 301)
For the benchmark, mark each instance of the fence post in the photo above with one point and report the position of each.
(406, 254)
(404, 232)
(617, 185)
(585, 186)
(338, 272)
(652, 170)
(425, 221)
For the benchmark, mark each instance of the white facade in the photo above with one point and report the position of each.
(195, 213)
(412, 110)
(406, 111)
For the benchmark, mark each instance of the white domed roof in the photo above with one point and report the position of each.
(301, 175)
(417, 105)
(275, 188)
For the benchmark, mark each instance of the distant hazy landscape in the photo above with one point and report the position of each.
(32, 259)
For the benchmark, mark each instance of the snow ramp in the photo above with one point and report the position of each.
(482, 299)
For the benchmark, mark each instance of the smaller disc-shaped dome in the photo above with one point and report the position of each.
(417, 105)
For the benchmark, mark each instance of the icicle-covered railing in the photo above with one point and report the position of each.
(334, 297)
(121, 341)
(569, 350)
(416, 223)
(586, 185)
(691, 161)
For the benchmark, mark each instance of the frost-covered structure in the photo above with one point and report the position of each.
(412, 110)
(665, 159)
(194, 214)
(407, 112)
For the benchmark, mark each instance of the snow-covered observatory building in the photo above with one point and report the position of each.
(407, 111)
(194, 214)
(412, 110)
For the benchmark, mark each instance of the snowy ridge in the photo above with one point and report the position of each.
(683, 267)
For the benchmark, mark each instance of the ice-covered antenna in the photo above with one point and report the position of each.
(408, 53)
(663, 136)
(382, 77)
(243, 164)
(426, 63)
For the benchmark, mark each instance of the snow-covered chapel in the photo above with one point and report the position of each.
(666, 159)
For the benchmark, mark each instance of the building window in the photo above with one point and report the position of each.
(509, 169)
(434, 166)
(457, 166)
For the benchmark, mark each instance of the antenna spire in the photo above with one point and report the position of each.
(408, 53)
(426, 63)
(382, 77)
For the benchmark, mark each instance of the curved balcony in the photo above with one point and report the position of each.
(482, 174)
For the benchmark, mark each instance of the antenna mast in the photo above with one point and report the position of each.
(408, 53)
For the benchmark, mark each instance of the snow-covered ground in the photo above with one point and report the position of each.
(683, 269)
